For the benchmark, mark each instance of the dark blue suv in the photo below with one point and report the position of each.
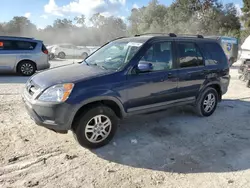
(124, 77)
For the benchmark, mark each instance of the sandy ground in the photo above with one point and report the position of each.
(172, 148)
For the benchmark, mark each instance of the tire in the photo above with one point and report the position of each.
(89, 121)
(51, 56)
(26, 68)
(84, 55)
(61, 55)
(201, 107)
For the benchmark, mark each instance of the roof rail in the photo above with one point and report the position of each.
(164, 34)
(117, 38)
(15, 37)
(169, 34)
(187, 35)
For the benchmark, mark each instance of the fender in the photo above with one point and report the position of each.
(207, 84)
(101, 98)
(99, 95)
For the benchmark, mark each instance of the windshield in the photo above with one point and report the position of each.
(114, 55)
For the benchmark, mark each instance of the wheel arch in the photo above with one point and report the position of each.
(214, 85)
(111, 102)
(25, 60)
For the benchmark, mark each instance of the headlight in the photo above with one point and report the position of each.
(57, 93)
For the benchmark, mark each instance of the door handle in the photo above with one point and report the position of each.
(170, 75)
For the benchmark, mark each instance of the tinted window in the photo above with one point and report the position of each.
(44, 48)
(6, 45)
(24, 45)
(17, 45)
(214, 54)
(189, 55)
(160, 55)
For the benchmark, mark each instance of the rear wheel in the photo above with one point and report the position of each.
(51, 56)
(26, 68)
(62, 55)
(96, 127)
(207, 102)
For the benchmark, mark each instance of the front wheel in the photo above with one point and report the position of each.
(207, 102)
(96, 127)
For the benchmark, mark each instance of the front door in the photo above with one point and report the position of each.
(157, 87)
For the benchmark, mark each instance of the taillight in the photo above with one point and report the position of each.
(46, 51)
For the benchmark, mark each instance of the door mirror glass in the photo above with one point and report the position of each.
(144, 66)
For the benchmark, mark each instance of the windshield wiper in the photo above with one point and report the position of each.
(85, 62)
(101, 66)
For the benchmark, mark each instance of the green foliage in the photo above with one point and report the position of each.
(186, 16)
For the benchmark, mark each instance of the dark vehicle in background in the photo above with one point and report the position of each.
(230, 45)
(125, 77)
(22, 55)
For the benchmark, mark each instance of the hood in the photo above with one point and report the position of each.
(66, 74)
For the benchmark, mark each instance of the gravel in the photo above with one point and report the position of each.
(172, 148)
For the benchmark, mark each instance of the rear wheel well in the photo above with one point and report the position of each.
(25, 60)
(109, 103)
(218, 89)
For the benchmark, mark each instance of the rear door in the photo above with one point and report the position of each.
(191, 69)
(8, 56)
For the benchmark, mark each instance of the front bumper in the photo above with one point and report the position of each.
(54, 116)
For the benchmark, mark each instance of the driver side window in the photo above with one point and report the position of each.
(160, 55)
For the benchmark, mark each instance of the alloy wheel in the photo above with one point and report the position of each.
(209, 102)
(98, 128)
(27, 69)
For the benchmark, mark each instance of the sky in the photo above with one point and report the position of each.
(44, 12)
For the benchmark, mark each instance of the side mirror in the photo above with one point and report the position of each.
(144, 66)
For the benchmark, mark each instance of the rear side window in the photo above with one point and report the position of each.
(214, 54)
(24, 45)
(17, 45)
(44, 48)
(189, 55)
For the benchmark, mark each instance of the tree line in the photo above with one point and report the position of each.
(206, 17)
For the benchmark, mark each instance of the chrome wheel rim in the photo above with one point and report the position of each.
(98, 128)
(27, 68)
(209, 103)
